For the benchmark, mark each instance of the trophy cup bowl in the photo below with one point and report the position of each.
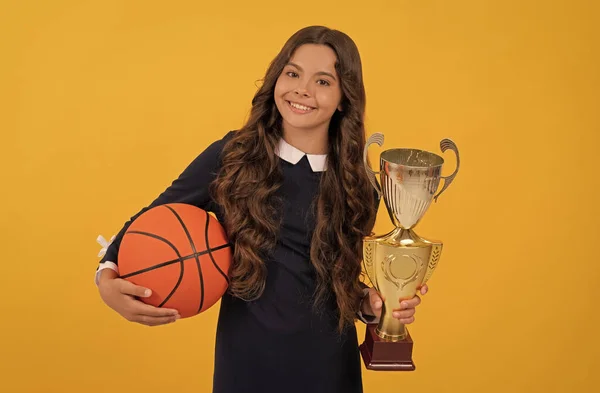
(400, 262)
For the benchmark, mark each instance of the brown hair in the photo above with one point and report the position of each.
(345, 209)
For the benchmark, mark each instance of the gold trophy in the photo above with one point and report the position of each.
(400, 262)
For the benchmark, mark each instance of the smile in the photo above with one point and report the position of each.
(298, 108)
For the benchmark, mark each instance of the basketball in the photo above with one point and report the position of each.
(181, 253)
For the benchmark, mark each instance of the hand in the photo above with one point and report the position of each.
(406, 312)
(120, 295)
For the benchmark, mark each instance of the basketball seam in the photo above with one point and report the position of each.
(210, 251)
(194, 251)
(172, 261)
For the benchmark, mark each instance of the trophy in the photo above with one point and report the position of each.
(400, 262)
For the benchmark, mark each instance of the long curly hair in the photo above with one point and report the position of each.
(345, 210)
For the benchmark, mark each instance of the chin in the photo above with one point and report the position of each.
(299, 124)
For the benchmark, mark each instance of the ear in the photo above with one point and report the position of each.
(339, 108)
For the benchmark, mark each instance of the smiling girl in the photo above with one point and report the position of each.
(292, 193)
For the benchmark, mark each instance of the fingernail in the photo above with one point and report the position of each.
(147, 292)
(177, 316)
(396, 314)
(404, 305)
(378, 304)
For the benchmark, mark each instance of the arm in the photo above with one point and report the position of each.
(191, 187)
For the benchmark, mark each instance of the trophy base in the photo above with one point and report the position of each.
(380, 355)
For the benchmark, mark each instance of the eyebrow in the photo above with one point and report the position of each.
(318, 73)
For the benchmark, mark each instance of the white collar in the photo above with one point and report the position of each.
(318, 162)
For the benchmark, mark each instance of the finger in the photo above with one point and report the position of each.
(138, 307)
(424, 289)
(407, 320)
(130, 288)
(375, 300)
(404, 313)
(410, 303)
(153, 321)
(149, 310)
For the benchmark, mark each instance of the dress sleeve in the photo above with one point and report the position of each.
(191, 187)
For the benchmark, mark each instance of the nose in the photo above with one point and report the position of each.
(302, 93)
(301, 89)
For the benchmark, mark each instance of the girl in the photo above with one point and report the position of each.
(291, 191)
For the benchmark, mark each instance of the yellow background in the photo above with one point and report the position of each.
(103, 103)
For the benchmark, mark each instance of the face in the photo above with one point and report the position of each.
(308, 91)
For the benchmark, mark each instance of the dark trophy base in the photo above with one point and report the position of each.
(382, 355)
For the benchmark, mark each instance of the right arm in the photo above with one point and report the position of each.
(191, 187)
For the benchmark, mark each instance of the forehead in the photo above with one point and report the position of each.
(315, 58)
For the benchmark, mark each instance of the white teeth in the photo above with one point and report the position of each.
(301, 107)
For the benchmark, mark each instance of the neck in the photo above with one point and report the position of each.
(313, 141)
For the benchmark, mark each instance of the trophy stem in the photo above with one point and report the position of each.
(389, 328)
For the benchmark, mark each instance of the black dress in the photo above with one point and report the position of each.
(276, 344)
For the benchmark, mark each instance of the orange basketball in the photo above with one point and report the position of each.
(181, 253)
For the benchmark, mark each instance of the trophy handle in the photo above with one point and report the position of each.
(375, 138)
(446, 144)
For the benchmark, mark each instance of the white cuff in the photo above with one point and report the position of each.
(105, 265)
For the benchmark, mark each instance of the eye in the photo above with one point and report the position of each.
(323, 82)
(291, 74)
